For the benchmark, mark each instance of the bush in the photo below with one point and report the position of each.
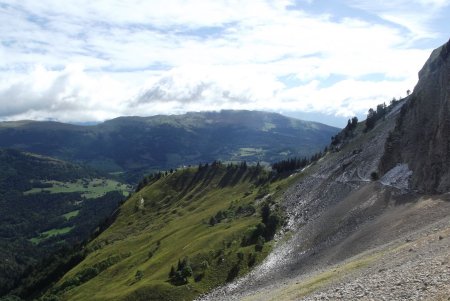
(50, 297)
(259, 244)
(199, 277)
(183, 272)
(251, 260)
(172, 272)
(234, 272)
(212, 221)
(139, 275)
(87, 274)
(374, 176)
(272, 226)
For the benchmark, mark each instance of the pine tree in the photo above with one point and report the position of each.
(172, 272)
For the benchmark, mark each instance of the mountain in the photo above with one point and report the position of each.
(47, 204)
(369, 220)
(206, 223)
(421, 138)
(138, 144)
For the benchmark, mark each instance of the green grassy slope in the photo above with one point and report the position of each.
(169, 220)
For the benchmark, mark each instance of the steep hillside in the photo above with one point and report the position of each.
(356, 223)
(138, 144)
(205, 223)
(421, 138)
(355, 235)
(47, 204)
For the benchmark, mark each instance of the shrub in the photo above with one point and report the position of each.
(251, 260)
(183, 272)
(212, 221)
(234, 272)
(259, 244)
(374, 176)
(139, 274)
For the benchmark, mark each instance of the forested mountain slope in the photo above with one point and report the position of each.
(47, 204)
(181, 235)
(141, 144)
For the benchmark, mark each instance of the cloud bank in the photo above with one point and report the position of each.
(94, 60)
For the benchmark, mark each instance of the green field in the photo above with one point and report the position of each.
(71, 214)
(268, 126)
(167, 221)
(50, 233)
(90, 188)
(250, 152)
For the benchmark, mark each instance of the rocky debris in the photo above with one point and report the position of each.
(398, 177)
(423, 273)
(329, 182)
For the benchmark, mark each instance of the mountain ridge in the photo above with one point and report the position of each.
(142, 144)
(208, 214)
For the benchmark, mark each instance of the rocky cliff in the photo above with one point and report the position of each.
(421, 137)
(353, 236)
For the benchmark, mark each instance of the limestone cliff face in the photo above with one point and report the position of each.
(421, 137)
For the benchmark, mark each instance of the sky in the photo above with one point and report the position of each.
(89, 61)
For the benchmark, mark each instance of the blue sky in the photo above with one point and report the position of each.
(83, 61)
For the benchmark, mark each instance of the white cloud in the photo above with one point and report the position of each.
(101, 59)
(69, 94)
(417, 16)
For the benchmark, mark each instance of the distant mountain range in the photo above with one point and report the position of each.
(142, 144)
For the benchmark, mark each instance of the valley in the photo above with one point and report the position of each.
(72, 203)
(131, 147)
(48, 205)
(234, 205)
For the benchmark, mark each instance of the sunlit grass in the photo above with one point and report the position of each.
(90, 188)
(50, 233)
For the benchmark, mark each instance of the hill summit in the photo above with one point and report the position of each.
(139, 144)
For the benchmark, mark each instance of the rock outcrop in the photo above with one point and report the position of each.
(421, 137)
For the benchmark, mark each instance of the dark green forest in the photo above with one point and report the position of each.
(36, 225)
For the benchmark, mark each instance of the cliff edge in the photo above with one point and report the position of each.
(421, 137)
